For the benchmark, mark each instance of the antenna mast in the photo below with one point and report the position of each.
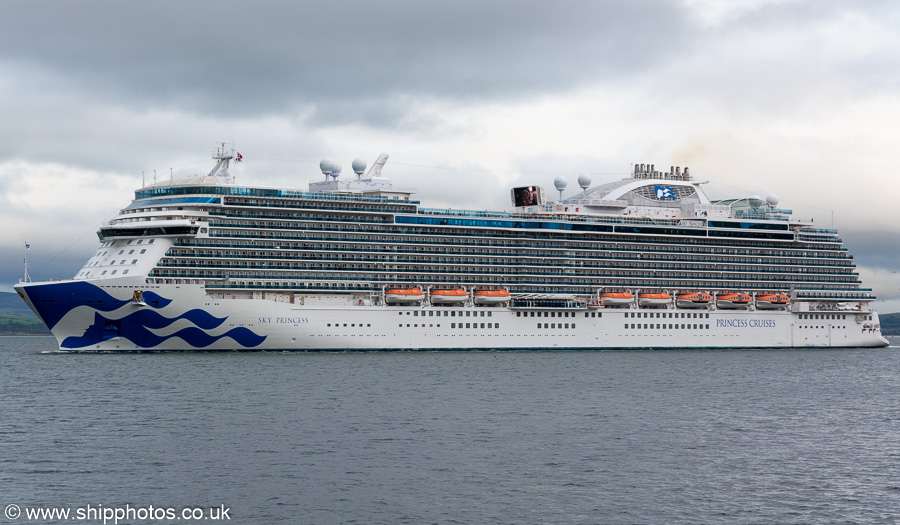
(27, 278)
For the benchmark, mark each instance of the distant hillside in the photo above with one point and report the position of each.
(890, 324)
(17, 319)
(22, 325)
(11, 303)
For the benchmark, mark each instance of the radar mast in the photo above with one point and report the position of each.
(223, 153)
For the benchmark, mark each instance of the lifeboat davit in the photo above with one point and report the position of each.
(693, 300)
(491, 297)
(403, 295)
(734, 301)
(616, 298)
(654, 299)
(455, 296)
(772, 301)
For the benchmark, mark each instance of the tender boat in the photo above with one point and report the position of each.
(772, 301)
(654, 299)
(454, 296)
(734, 301)
(693, 300)
(403, 295)
(489, 297)
(617, 298)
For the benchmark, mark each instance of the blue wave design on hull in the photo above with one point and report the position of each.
(151, 319)
(133, 329)
(54, 301)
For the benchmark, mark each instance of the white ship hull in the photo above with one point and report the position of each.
(178, 318)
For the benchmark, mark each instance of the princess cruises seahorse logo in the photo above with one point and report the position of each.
(664, 193)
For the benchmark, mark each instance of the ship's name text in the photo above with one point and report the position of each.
(283, 320)
(745, 323)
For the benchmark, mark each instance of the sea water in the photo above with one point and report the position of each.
(734, 436)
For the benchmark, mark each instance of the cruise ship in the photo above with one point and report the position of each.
(355, 263)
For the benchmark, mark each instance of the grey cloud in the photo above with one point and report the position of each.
(339, 58)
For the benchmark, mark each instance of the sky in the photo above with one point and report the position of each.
(794, 98)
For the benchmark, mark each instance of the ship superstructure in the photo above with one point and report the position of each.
(644, 262)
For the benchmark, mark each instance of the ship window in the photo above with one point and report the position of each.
(150, 241)
(130, 251)
(134, 261)
(124, 271)
(121, 252)
(144, 250)
(585, 314)
(532, 314)
(416, 314)
(114, 272)
(567, 325)
(539, 325)
(489, 313)
(482, 325)
(518, 314)
(573, 325)
(401, 313)
(104, 272)
(467, 325)
(468, 314)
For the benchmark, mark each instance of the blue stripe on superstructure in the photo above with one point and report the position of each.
(175, 200)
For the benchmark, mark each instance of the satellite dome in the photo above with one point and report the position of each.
(772, 200)
(755, 201)
(327, 166)
(358, 165)
(584, 181)
(560, 183)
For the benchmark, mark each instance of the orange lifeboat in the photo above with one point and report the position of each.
(772, 301)
(488, 297)
(654, 299)
(455, 296)
(616, 298)
(403, 295)
(693, 300)
(734, 301)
